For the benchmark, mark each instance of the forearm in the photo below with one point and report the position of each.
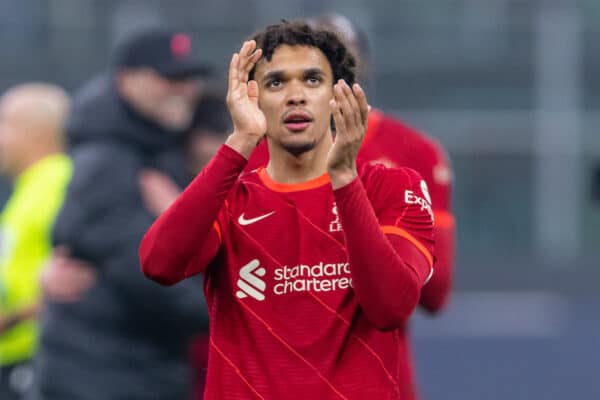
(387, 287)
(177, 237)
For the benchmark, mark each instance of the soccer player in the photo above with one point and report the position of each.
(392, 142)
(313, 265)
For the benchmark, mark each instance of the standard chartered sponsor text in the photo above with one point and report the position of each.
(321, 277)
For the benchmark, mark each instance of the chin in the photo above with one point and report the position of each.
(297, 149)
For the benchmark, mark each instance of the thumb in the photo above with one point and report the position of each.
(253, 91)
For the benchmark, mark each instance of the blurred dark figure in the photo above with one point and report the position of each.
(32, 122)
(211, 126)
(118, 336)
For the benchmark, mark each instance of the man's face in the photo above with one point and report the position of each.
(170, 103)
(13, 138)
(295, 88)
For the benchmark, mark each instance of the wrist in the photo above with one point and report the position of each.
(342, 177)
(242, 143)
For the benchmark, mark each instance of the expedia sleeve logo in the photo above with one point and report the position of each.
(424, 202)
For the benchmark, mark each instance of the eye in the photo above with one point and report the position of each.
(275, 83)
(313, 80)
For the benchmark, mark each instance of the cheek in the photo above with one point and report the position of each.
(323, 105)
(153, 93)
(268, 105)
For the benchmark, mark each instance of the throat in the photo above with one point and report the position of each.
(288, 168)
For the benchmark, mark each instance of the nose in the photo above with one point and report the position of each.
(296, 96)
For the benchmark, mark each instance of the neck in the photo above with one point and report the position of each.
(287, 168)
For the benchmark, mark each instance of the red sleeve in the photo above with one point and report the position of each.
(389, 247)
(436, 293)
(259, 157)
(185, 238)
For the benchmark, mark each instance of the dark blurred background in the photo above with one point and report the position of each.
(512, 90)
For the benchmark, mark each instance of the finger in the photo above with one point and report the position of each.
(355, 116)
(257, 55)
(250, 63)
(233, 73)
(344, 105)
(246, 54)
(252, 60)
(363, 105)
(253, 91)
(247, 49)
(338, 118)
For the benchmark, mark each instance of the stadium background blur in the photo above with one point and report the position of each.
(512, 90)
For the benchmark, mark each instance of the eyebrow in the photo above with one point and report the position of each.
(279, 74)
(314, 71)
(273, 75)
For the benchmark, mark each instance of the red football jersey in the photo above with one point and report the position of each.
(287, 317)
(390, 142)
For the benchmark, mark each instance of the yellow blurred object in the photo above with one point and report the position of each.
(25, 244)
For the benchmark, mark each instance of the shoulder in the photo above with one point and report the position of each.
(414, 137)
(389, 187)
(381, 177)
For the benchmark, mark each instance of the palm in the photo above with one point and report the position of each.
(243, 106)
(242, 96)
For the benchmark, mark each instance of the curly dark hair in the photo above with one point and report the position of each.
(298, 33)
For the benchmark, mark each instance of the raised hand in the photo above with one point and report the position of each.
(350, 111)
(158, 191)
(242, 98)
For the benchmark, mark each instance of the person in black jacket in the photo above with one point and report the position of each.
(120, 336)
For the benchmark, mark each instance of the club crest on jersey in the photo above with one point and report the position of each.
(335, 225)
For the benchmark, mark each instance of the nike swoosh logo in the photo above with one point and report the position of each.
(243, 221)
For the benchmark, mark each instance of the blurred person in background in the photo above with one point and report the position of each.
(113, 334)
(32, 119)
(210, 127)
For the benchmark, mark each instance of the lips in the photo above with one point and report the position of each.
(297, 121)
